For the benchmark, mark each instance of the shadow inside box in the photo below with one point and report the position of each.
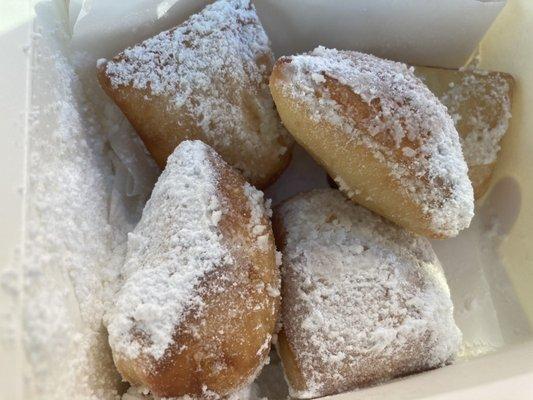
(486, 307)
(301, 175)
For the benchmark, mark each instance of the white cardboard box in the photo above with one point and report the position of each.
(508, 46)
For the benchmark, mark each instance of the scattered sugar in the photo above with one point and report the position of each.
(360, 292)
(174, 245)
(258, 229)
(223, 48)
(272, 291)
(358, 249)
(100, 62)
(409, 115)
(408, 152)
(68, 241)
(262, 242)
(259, 208)
(487, 122)
(249, 392)
(265, 346)
(318, 78)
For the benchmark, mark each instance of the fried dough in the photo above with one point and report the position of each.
(363, 299)
(200, 296)
(479, 102)
(380, 133)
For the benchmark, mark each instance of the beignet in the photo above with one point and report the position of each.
(200, 296)
(363, 299)
(380, 133)
(206, 79)
(479, 102)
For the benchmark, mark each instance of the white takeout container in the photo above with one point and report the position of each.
(299, 25)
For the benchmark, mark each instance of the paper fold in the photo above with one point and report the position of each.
(435, 33)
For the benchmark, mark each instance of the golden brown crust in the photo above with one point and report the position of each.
(142, 115)
(325, 276)
(221, 347)
(161, 131)
(290, 365)
(378, 190)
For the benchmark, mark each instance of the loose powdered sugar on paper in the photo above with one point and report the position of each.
(249, 392)
(68, 240)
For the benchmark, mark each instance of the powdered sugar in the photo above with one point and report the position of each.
(364, 300)
(409, 116)
(171, 58)
(68, 244)
(175, 244)
(344, 187)
(279, 258)
(249, 392)
(487, 122)
(54, 342)
(214, 70)
(258, 209)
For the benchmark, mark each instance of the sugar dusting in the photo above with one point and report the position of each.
(249, 392)
(214, 69)
(66, 358)
(362, 297)
(482, 143)
(174, 245)
(69, 241)
(74, 248)
(409, 115)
